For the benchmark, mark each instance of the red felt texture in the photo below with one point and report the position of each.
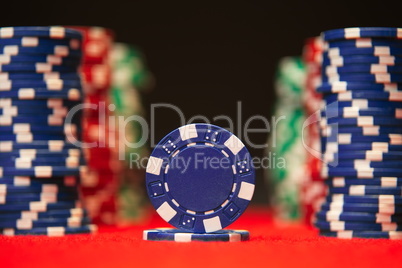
(270, 246)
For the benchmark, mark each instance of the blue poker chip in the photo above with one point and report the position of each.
(357, 217)
(31, 197)
(364, 121)
(367, 155)
(365, 42)
(52, 231)
(168, 234)
(368, 208)
(73, 94)
(52, 32)
(41, 147)
(69, 181)
(393, 235)
(40, 42)
(356, 226)
(361, 77)
(362, 172)
(20, 110)
(51, 84)
(352, 112)
(361, 59)
(39, 76)
(365, 131)
(362, 103)
(49, 59)
(71, 162)
(37, 67)
(25, 224)
(40, 171)
(38, 206)
(42, 189)
(360, 147)
(371, 51)
(201, 198)
(361, 164)
(381, 181)
(339, 86)
(366, 190)
(349, 138)
(61, 51)
(368, 199)
(362, 68)
(33, 215)
(365, 94)
(361, 32)
(40, 129)
(27, 138)
(56, 151)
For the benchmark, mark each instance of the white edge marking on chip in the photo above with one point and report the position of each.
(345, 235)
(38, 206)
(212, 224)
(30, 41)
(234, 144)
(154, 165)
(381, 218)
(26, 93)
(363, 42)
(166, 212)
(337, 226)
(145, 234)
(24, 224)
(386, 209)
(9, 232)
(246, 191)
(357, 190)
(371, 131)
(7, 32)
(56, 145)
(55, 231)
(338, 182)
(43, 171)
(345, 138)
(351, 33)
(389, 182)
(395, 235)
(234, 169)
(374, 155)
(188, 132)
(234, 237)
(365, 121)
(182, 237)
(57, 32)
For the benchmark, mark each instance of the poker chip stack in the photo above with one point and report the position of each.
(199, 199)
(361, 130)
(40, 165)
(100, 183)
(286, 151)
(313, 189)
(129, 78)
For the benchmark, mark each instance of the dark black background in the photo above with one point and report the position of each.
(207, 56)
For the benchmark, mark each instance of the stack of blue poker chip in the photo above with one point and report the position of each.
(40, 160)
(361, 133)
(206, 194)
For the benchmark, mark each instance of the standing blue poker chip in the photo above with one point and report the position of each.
(168, 234)
(200, 178)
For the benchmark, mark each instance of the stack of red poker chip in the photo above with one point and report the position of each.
(313, 188)
(99, 186)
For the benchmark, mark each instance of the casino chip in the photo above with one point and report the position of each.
(167, 234)
(40, 164)
(99, 184)
(360, 130)
(286, 178)
(214, 188)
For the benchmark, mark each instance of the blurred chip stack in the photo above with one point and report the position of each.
(285, 147)
(40, 167)
(130, 78)
(313, 188)
(100, 185)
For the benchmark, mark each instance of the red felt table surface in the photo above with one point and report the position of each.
(270, 246)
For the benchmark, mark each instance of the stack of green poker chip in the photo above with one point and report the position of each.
(285, 145)
(130, 77)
